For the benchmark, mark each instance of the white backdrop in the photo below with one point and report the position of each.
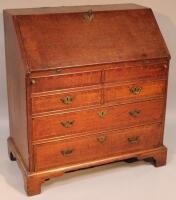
(155, 184)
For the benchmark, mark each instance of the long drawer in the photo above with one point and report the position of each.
(105, 117)
(97, 146)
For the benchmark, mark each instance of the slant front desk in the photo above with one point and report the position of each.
(87, 86)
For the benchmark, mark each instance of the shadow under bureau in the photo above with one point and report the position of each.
(87, 86)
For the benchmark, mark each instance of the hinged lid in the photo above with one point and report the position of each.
(77, 36)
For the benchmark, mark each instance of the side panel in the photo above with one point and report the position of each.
(16, 84)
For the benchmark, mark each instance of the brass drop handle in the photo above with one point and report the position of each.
(102, 139)
(66, 152)
(67, 100)
(133, 140)
(67, 124)
(135, 89)
(102, 114)
(134, 113)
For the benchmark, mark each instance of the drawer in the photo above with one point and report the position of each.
(120, 74)
(117, 116)
(65, 100)
(98, 146)
(63, 81)
(135, 90)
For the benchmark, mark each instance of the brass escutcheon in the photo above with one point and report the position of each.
(67, 124)
(102, 114)
(88, 16)
(67, 100)
(102, 139)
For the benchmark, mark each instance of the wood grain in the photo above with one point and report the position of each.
(16, 86)
(53, 102)
(57, 82)
(145, 89)
(94, 147)
(89, 119)
(34, 180)
(88, 91)
(123, 36)
(135, 73)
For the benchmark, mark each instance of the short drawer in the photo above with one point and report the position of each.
(120, 74)
(98, 146)
(65, 100)
(135, 90)
(63, 81)
(117, 116)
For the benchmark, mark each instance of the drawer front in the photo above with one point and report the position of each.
(118, 116)
(63, 81)
(134, 73)
(136, 90)
(65, 100)
(88, 148)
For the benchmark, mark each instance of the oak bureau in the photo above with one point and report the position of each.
(87, 86)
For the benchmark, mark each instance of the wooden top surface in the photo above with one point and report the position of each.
(72, 9)
(62, 37)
